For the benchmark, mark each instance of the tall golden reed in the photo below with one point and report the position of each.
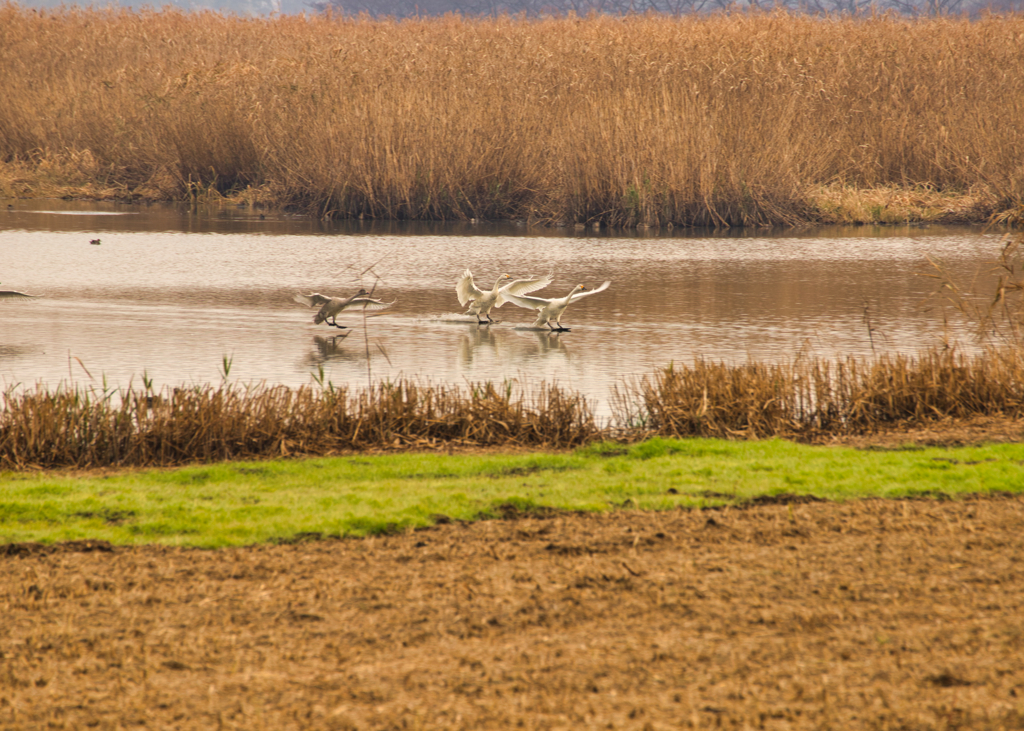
(729, 119)
(809, 398)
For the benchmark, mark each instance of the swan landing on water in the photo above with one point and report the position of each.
(552, 309)
(481, 302)
(331, 307)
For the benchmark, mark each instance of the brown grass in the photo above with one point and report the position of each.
(86, 428)
(805, 399)
(887, 204)
(724, 120)
(811, 398)
(866, 615)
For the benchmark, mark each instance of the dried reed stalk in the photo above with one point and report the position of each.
(84, 428)
(71, 427)
(993, 302)
(814, 397)
(722, 120)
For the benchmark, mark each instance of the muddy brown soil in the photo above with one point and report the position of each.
(945, 433)
(868, 615)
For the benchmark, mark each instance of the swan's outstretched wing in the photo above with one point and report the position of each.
(314, 299)
(530, 303)
(365, 303)
(521, 287)
(589, 292)
(466, 290)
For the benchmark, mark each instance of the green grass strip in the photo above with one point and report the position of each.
(242, 503)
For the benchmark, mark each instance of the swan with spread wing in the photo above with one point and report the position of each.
(331, 307)
(551, 309)
(481, 302)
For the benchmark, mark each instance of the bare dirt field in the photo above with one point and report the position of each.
(944, 433)
(875, 614)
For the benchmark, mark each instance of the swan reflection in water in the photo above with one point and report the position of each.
(549, 342)
(475, 340)
(331, 349)
(510, 347)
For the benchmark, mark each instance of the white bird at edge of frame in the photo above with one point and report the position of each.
(552, 309)
(481, 302)
(331, 307)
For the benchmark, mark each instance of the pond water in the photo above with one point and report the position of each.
(173, 294)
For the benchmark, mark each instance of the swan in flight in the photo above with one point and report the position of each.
(331, 307)
(481, 302)
(552, 309)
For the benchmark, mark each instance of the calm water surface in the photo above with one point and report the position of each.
(172, 294)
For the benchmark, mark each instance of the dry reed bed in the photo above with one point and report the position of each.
(731, 119)
(85, 428)
(805, 399)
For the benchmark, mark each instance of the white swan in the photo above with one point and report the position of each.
(480, 302)
(552, 309)
(331, 307)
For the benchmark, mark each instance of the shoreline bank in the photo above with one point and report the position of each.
(827, 206)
